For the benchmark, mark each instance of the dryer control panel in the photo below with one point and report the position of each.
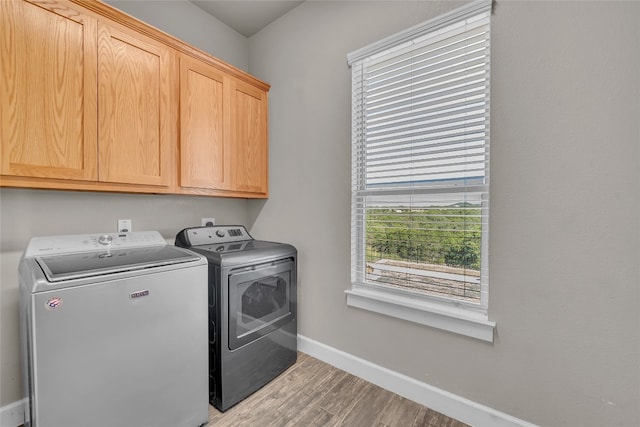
(216, 234)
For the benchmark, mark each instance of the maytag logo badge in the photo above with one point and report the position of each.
(139, 294)
(53, 303)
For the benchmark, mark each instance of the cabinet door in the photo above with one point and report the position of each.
(48, 90)
(249, 127)
(136, 117)
(204, 126)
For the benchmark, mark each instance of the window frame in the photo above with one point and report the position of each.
(466, 318)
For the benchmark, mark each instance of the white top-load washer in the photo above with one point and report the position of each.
(114, 332)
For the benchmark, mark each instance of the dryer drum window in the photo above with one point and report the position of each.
(261, 300)
(263, 297)
(258, 305)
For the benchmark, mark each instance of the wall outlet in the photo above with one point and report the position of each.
(124, 225)
(206, 222)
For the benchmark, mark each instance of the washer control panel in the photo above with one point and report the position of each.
(216, 234)
(53, 245)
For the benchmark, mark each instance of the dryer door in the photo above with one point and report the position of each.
(261, 300)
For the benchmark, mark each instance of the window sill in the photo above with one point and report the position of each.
(457, 320)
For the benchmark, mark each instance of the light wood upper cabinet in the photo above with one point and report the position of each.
(136, 101)
(249, 136)
(48, 90)
(93, 99)
(223, 133)
(204, 126)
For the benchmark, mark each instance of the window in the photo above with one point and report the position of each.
(420, 173)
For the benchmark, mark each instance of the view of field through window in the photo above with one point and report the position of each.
(428, 249)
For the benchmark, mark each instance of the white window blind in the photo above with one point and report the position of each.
(420, 160)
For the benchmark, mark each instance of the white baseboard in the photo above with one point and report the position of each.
(452, 405)
(12, 415)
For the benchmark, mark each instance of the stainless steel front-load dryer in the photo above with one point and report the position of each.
(113, 332)
(252, 309)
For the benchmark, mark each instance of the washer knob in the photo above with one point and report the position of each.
(105, 239)
(220, 233)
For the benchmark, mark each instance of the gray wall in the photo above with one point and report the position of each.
(565, 198)
(26, 213)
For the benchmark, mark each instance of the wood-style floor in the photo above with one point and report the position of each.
(313, 393)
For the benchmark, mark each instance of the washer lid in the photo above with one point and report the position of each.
(86, 264)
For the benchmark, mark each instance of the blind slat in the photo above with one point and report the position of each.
(439, 92)
(445, 63)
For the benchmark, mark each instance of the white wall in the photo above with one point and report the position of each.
(565, 197)
(27, 213)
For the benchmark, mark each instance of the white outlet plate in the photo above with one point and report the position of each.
(124, 225)
(208, 221)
